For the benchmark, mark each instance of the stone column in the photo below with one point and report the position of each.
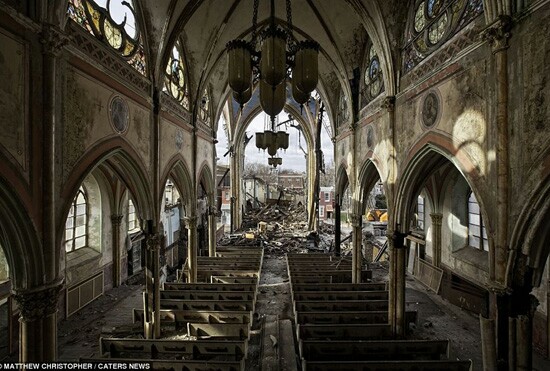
(116, 220)
(357, 256)
(38, 323)
(152, 288)
(396, 240)
(191, 224)
(337, 226)
(212, 230)
(436, 238)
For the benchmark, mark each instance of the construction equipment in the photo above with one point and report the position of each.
(377, 215)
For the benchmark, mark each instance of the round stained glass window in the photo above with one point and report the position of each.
(430, 110)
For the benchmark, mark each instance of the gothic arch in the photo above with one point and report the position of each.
(178, 172)
(368, 175)
(20, 242)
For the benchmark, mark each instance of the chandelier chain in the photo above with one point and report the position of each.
(254, 22)
(289, 20)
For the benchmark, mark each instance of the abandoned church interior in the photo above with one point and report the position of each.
(129, 232)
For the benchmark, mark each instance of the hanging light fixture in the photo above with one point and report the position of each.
(268, 62)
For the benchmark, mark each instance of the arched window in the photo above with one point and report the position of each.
(420, 212)
(114, 23)
(76, 226)
(343, 114)
(432, 22)
(133, 222)
(374, 84)
(477, 234)
(205, 107)
(175, 81)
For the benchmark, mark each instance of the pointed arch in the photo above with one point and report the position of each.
(177, 170)
(369, 174)
(20, 241)
(124, 161)
(207, 179)
(342, 182)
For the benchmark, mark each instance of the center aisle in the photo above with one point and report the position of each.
(272, 345)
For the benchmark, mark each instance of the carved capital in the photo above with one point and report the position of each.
(153, 241)
(38, 303)
(356, 220)
(190, 222)
(498, 33)
(437, 219)
(116, 219)
(389, 103)
(53, 40)
(213, 211)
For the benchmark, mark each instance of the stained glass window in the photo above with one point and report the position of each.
(343, 114)
(175, 82)
(433, 22)
(132, 217)
(77, 223)
(205, 107)
(114, 23)
(374, 83)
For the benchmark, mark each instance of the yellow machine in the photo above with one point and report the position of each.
(377, 215)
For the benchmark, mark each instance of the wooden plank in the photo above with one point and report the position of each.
(347, 306)
(208, 295)
(338, 287)
(206, 286)
(387, 365)
(343, 331)
(429, 275)
(234, 280)
(340, 295)
(342, 317)
(190, 349)
(173, 365)
(373, 350)
(181, 317)
(238, 305)
(219, 330)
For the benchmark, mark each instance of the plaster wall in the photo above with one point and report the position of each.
(174, 140)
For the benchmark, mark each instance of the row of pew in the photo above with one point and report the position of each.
(205, 325)
(344, 326)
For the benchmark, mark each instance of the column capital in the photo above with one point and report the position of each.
(38, 302)
(389, 103)
(356, 220)
(190, 221)
(437, 218)
(116, 219)
(153, 241)
(498, 33)
(53, 40)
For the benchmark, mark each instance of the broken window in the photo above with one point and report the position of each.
(76, 226)
(175, 81)
(132, 218)
(420, 213)
(433, 22)
(114, 23)
(477, 234)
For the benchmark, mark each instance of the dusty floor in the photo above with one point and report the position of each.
(437, 319)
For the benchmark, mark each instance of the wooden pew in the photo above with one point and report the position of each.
(234, 280)
(206, 286)
(219, 330)
(344, 331)
(213, 305)
(374, 350)
(180, 318)
(208, 295)
(340, 295)
(349, 317)
(415, 365)
(298, 287)
(174, 365)
(336, 276)
(344, 306)
(159, 348)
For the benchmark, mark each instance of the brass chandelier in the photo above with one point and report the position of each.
(268, 63)
(279, 56)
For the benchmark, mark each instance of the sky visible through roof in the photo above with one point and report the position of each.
(293, 157)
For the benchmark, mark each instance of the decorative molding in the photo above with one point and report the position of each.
(437, 219)
(83, 42)
(498, 33)
(152, 241)
(38, 303)
(389, 103)
(116, 219)
(190, 222)
(53, 40)
(173, 107)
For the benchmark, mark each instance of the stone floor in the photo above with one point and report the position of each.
(437, 319)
